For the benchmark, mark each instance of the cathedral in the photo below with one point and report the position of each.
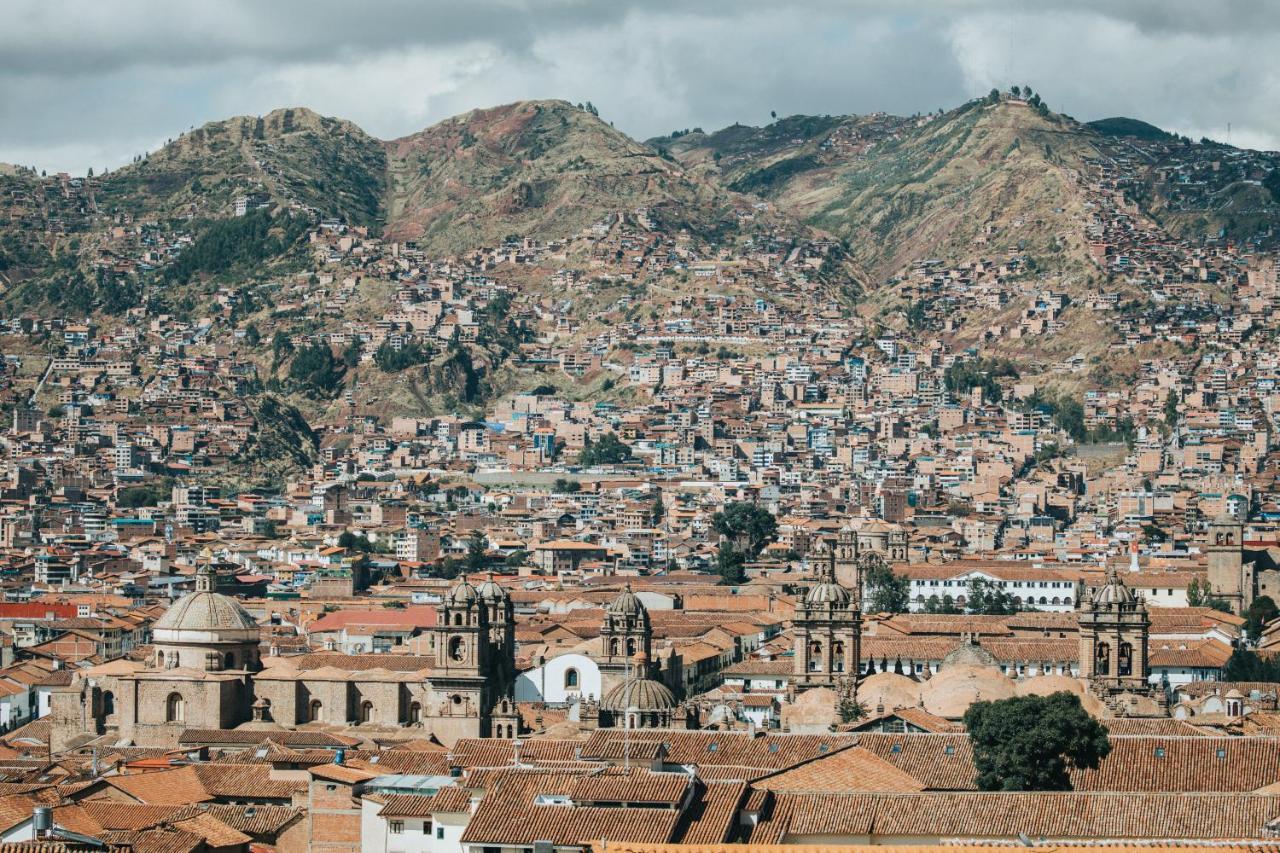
(206, 672)
(828, 621)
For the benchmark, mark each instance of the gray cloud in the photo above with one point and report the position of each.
(91, 84)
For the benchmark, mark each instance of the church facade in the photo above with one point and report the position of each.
(206, 673)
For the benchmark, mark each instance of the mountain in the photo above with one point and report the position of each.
(293, 156)
(1121, 126)
(537, 168)
(899, 191)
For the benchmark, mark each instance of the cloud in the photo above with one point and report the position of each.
(91, 84)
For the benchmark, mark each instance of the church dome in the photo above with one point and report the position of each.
(204, 612)
(950, 693)
(626, 604)
(639, 694)
(890, 690)
(968, 653)
(462, 594)
(491, 590)
(1113, 592)
(828, 593)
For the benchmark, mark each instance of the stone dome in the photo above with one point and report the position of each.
(462, 594)
(639, 694)
(828, 593)
(890, 690)
(626, 604)
(812, 712)
(491, 590)
(950, 693)
(204, 612)
(968, 653)
(1114, 592)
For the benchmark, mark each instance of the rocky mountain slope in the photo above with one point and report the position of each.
(538, 168)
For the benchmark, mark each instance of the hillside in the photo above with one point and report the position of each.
(292, 156)
(536, 168)
(904, 190)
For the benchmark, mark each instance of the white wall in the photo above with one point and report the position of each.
(546, 683)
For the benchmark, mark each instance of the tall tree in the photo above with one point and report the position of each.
(886, 591)
(1031, 743)
(747, 525)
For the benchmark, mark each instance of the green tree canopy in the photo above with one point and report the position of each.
(1031, 743)
(987, 599)
(730, 564)
(609, 450)
(748, 526)
(886, 591)
(1260, 612)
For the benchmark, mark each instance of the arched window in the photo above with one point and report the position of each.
(570, 679)
(315, 710)
(457, 618)
(159, 660)
(415, 713)
(631, 647)
(1057, 600)
(1066, 600)
(457, 649)
(837, 654)
(815, 657)
(175, 709)
(1043, 600)
(613, 648)
(230, 662)
(1102, 659)
(1124, 664)
(108, 703)
(366, 711)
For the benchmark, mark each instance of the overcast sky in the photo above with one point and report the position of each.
(91, 83)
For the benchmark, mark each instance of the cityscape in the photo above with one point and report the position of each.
(527, 484)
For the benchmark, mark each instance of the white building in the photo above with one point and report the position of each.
(559, 681)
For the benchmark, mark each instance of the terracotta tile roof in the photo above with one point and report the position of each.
(1007, 815)
(245, 782)
(713, 815)
(1136, 763)
(296, 739)
(854, 769)
(510, 814)
(736, 749)
(488, 752)
(342, 773)
(174, 787)
(256, 821)
(452, 799)
(1162, 726)
(214, 832)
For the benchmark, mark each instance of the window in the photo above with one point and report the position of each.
(1159, 752)
(366, 711)
(457, 649)
(108, 703)
(175, 709)
(397, 827)
(570, 679)
(439, 832)
(314, 710)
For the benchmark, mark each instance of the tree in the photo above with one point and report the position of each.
(748, 526)
(1260, 612)
(1031, 743)
(1171, 408)
(987, 599)
(565, 486)
(886, 591)
(730, 564)
(1245, 665)
(315, 368)
(945, 605)
(1200, 594)
(355, 542)
(1016, 92)
(773, 114)
(609, 450)
(477, 551)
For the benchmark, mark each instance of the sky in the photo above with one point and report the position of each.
(87, 83)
